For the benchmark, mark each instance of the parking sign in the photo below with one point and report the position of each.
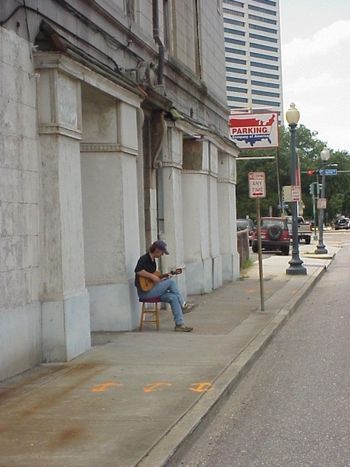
(257, 185)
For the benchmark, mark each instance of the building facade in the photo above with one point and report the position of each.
(113, 133)
(253, 54)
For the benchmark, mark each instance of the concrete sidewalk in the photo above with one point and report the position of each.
(138, 398)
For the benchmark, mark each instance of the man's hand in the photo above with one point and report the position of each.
(155, 279)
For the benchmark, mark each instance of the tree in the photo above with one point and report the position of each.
(308, 150)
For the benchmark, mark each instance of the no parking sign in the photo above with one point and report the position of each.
(257, 185)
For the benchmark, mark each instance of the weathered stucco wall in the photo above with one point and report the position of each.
(20, 321)
(80, 193)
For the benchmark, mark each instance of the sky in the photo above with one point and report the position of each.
(315, 36)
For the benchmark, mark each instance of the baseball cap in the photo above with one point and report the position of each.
(160, 245)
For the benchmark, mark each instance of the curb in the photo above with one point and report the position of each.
(168, 450)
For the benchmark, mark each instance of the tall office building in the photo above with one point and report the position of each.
(253, 54)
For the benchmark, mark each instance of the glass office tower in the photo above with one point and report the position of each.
(253, 54)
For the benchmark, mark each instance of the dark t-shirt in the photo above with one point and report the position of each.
(145, 263)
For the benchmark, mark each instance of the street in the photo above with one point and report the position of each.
(293, 407)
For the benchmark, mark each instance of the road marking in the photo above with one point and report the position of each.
(152, 387)
(200, 387)
(103, 387)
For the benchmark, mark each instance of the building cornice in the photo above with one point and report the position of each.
(73, 68)
(108, 148)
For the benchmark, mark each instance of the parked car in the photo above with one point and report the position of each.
(342, 223)
(274, 235)
(304, 229)
(243, 224)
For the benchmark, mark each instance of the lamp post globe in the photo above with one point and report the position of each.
(295, 264)
(325, 154)
(321, 247)
(292, 115)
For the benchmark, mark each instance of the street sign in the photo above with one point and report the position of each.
(287, 194)
(257, 185)
(322, 203)
(296, 193)
(328, 172)
(291, 194)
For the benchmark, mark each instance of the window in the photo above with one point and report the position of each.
(129, 7)
(198, 48)
(234, 41)
(234, 31)
(236, 60)
(262, 38)
(264, 75)
(167, 23)
(263, 47)
(265, 93)
(237, 99)
(262, 10)
(236, 70)
(262, 28)
(236, 80)
(233, 21)
(265, 84)
(233, 89)
(266, 2)
(268, 103)
(234, 13)
(264, 56)
(233, 2)
(235, 51)
(262, 19)
(264, 65)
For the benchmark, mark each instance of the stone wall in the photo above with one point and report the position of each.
(20, 319)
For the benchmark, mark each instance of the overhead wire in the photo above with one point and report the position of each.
(87, 21)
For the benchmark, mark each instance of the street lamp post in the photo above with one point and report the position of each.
(295, 264)
(321, 247)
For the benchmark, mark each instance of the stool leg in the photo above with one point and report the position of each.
(157, 316)
(142, 316)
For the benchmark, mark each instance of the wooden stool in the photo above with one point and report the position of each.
(153, 311)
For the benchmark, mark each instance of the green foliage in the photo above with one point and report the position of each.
(309, 148)
(247, 263)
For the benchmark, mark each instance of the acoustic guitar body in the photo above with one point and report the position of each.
(146, 284)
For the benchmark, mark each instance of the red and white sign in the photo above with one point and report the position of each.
(295, 193)
(291, 194)
(254, 130)
(257, 185)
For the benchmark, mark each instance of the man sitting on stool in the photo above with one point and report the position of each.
(166, 288)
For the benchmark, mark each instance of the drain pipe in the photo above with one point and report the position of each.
(159, 42)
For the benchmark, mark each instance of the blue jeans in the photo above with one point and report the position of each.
(168, 292)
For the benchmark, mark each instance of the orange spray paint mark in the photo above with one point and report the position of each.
(105, 386)
(155, 387)
(200, 387)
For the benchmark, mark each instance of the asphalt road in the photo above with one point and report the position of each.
(293, 407)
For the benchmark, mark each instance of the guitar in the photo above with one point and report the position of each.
(147, 284)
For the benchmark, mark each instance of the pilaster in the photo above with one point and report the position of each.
(65, 303)
(170, 172)
(201, 239)
(110, 209)
(227, 216)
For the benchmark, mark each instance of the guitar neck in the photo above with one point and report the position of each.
(163, 276)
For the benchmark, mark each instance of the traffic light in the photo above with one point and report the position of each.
(319, 189)
(311, 172)
(312, 189)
